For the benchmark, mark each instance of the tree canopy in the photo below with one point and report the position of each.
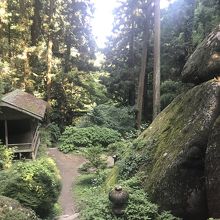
(47, 48)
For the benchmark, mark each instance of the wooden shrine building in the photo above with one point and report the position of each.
(20, 114)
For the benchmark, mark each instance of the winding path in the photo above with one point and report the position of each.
(68, 165)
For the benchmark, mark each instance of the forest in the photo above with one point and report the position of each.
(148, 101)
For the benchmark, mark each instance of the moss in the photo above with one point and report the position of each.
(111, 179)
(184, 122)
(202, 65)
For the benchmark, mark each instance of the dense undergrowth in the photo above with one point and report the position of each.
(73, 137)
(34, 184)
(92, 194)
(96, 141)
(121, 119)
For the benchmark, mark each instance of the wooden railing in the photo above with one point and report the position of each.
(21, 147)
(35, 143)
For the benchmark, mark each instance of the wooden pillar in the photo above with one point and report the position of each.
(6, 133)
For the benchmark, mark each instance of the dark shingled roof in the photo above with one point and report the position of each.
(26, 103)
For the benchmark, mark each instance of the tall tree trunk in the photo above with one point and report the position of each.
(9, 40)
(188, 28)
(25, 45)
(49, 68)
(141, 81)
(36, 25)
(147, 103)
(156, 74)
(131, 90)
(9, 31)
(49, 53)
(27, 71)
(67, 53)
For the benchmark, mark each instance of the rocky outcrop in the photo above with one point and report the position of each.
(175, 146)
(204, 63)
(212, 169)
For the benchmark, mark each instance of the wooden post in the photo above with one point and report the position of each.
(6, 133)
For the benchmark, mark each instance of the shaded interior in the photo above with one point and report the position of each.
(19, 131)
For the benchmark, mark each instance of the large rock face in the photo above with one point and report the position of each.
(175, 145)
(204, 63)
(212, 169)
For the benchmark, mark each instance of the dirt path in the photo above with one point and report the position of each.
(68, 165)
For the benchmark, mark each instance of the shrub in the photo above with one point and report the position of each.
(95, 205)
(6, 157)
(136, 155)
(121, 119)
(34, 184)
(93, 154)
(54, 131)
(45, 137)
(130, 164)
(119, 148)
(139, 204)
(74, 137)
(11, 209)
(169, 90)
(84, 168)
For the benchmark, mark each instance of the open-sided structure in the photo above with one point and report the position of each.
(20, 114)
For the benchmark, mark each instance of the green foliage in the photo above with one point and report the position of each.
(74, 137)
(6, 157)
(24, 63)
(75, 93)
(84, 168)
(111, 179)
(96, 206)
(167, 216)
(176, 37)
(34, 184)
(94, 202)
(11, 209)
(123, 51)
(57, 211)
(132, 156)
(170, 86)
(121, 119)
(54, 132)
(45, 141)
(93, 154)
(130, 164)
(207, 17)
(119, 148)
(49, 137)
(139, 205)
(1, 89)
(169, 90)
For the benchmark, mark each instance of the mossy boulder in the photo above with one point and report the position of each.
(204, 63)
(11, 209)
(212, 169)
(175, 147)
